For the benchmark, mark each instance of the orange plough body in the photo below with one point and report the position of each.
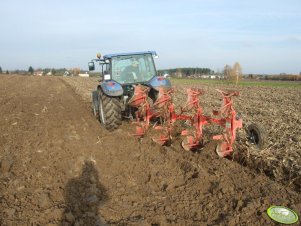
(164, 109)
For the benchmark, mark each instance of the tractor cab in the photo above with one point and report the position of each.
(132, 68)
(129, 69)
(121, 74)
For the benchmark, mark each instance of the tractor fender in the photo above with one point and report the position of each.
(111, 88)
(158, 81)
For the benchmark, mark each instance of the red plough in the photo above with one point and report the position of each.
(228, 121)
(143, 113)
(192, 113)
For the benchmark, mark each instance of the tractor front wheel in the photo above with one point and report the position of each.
(109, 111)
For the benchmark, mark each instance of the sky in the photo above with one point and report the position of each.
(264, 36)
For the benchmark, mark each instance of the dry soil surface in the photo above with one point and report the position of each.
(59, 167)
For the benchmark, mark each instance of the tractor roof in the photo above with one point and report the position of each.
(109, 56)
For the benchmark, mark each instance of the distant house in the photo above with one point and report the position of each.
(204, 76)
(38, 73)
(166, 75)
(84, 75)
(66, 73)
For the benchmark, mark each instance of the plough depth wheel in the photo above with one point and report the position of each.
(256, 135)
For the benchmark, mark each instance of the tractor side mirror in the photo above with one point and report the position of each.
(91, 66)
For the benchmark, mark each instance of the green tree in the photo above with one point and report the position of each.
(53, 71)
(30, 70)
(179, 73)
(0, 70)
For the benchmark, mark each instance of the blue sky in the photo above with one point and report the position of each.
(264, 36)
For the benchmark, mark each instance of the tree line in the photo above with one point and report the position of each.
(186, 72)
(31, 71)
(1, 72)
(231, 73)
(283, 77)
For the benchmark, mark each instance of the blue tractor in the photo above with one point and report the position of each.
(120, 74)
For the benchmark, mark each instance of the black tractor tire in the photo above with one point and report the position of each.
(257, 135)
(95, 104)
(109, 111)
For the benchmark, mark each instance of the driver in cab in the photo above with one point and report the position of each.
(132, 71)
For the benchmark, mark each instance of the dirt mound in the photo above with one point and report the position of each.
(58, 167)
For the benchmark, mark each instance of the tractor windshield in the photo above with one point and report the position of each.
(133, 68)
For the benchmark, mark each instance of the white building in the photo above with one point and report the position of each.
(84, 75)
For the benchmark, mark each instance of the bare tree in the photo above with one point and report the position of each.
(179, 73)
(227, 72)
(236, 73)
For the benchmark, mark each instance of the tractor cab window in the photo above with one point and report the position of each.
(107, 67)
(133, 68)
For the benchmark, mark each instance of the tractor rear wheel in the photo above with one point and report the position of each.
(95, 106)
(256, 135)
(109, 111)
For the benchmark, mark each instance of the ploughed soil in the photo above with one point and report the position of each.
(59, 167)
